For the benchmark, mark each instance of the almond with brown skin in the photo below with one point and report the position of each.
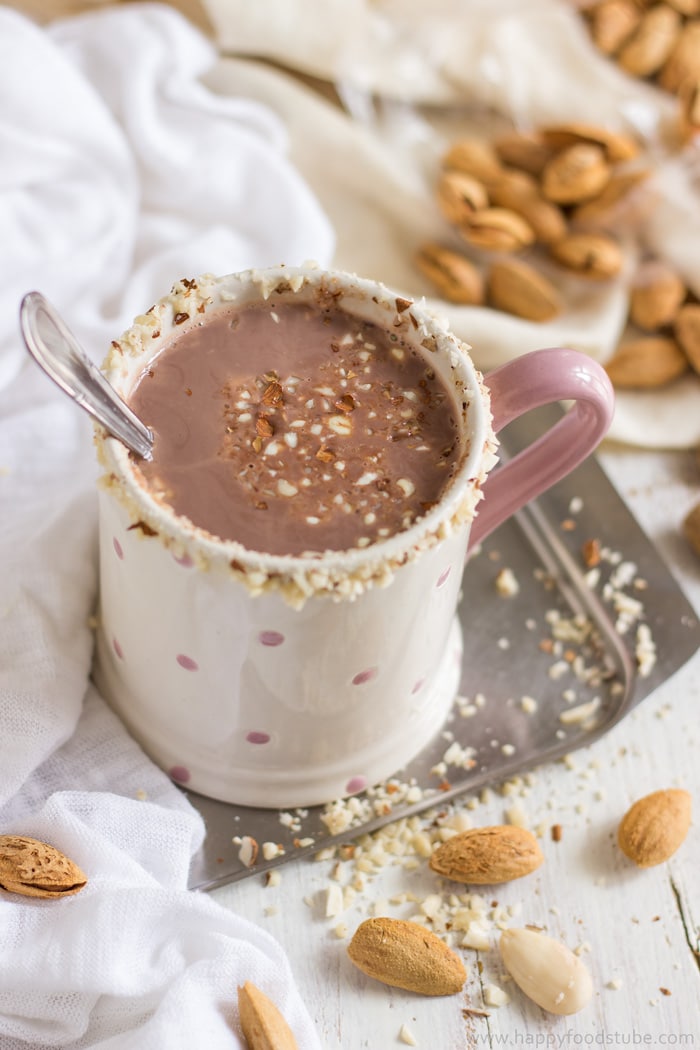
(521, 193)
(612, 23)
(687, 332)
(487, 856)
(497, 229)
(656, 295)
(691, 527)
(652, 42)
(616, 144)
(474, 157)
(523, 150)
(592, 255)
(263, 1025)
(645, 363)
(406, 955)
(683, 63)
(454, 276)
(517, 288)
(655, 826)
(689, 116)
(605, 209)
(36, 869)
(576, 174)
(459, 195)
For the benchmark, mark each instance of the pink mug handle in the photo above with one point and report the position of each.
(536, 379)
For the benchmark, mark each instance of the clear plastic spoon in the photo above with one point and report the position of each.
(57, 352)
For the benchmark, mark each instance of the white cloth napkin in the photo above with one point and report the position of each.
(119, 173)
(478, 66)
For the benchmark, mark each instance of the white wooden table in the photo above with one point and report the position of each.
(637, 931)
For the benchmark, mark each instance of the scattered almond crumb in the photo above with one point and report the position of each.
(507, 584)
(615, 984)
(495, 996)
(406, 1036)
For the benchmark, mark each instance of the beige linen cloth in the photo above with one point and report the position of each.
(412, 77)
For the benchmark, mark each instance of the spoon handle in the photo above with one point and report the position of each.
(57, 352)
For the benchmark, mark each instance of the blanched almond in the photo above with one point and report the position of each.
(546, 971)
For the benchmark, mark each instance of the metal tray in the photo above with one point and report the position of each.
(546, 670)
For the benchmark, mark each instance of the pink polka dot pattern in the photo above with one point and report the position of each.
(271, 638)
(181, 774)
(418, 686)
(118, 548)
(356, 784)
(184, 559)
(117, 648)
(442, 578)
(365, 676)
(258, 737)
(186, 662)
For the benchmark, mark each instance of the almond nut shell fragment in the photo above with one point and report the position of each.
(406, 955)
(546, 971)
(646, 363)
(655, 826)
(36, 869)
(486, 856)
(263, 1025)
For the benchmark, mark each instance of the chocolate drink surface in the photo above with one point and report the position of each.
(294, 429)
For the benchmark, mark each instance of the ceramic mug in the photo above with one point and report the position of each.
(282, 681)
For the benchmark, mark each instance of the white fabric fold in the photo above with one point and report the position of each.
(120, 173)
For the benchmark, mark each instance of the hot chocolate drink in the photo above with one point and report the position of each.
(293, 428)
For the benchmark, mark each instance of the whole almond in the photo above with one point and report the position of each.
(36, 869)
(474, 157)
(656, 296)
(683, 62)
(691, 527)
(523, 150)
(459, 195)
(689, 115)
(645, 363)
(576, 174)
(546, 971)
(592, 255)
(655, 826)
(486, 856)
(455, 277)
(616, 145)
(406, 955)
(687, 331)
(263, 1025)
(612, 23)
(497, 229)
(652, 42)
(520, 289)
(521, 193)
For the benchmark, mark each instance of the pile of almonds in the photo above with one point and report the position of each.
(404, 954)
(553, 193)
(657, 42)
